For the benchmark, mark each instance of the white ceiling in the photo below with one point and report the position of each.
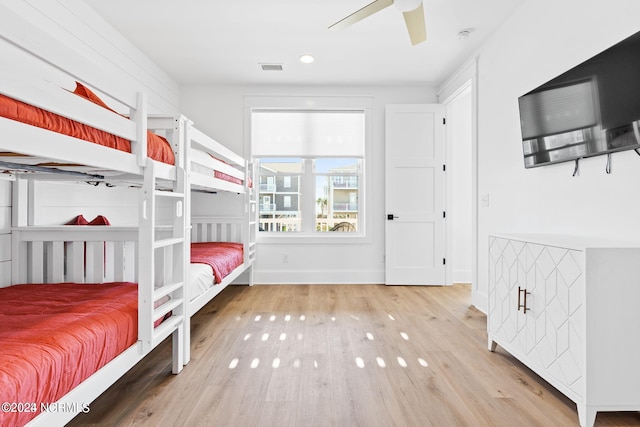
(223, 42)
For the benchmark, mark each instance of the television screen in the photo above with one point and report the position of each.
(592, 109)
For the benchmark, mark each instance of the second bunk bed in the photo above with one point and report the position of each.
(222, 243)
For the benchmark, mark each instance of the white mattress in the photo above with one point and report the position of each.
(200, 279)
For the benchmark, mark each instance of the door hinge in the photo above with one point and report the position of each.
(444, 121)
(444, 214)
(444, 261)
(444, 168)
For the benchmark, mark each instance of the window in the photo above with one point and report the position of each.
(313, 161)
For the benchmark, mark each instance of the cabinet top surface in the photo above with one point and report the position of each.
(567, 241)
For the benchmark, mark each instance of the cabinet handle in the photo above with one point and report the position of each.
(524, 305)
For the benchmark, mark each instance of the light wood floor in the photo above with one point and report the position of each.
(338, 355)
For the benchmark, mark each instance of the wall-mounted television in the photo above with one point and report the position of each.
(592, 109)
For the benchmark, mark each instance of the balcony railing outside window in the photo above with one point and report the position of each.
(267, 207)
(267, 188)
(345, 207)
(345, 182)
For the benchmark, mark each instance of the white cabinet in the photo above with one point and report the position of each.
(568, 308)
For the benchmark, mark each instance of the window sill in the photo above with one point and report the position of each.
(306, 238)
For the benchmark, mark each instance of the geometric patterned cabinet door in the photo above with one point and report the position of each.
(539, 289)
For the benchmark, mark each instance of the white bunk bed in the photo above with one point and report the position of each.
(151, 254)
(213, 168)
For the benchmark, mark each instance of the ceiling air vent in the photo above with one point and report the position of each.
(271, 67)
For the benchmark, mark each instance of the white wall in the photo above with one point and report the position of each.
(459, 186)
(89, 47)
(542, 39)
(218, 110)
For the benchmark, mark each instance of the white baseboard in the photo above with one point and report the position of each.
(318, 277)
(480, 301)
(461, 276)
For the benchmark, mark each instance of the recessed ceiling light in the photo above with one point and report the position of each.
(307, 59)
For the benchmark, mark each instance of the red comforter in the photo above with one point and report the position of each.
(223, 257)
(158, 148)
(53, 337)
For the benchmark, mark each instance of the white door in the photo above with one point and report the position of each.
(415, 197)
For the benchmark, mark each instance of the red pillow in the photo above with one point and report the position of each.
(100, 220)
(158, 148)
(85, 92)
(78, 220)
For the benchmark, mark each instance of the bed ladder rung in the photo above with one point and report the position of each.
(166, 290)
(170, 194)
(165, 329)
(166, 308)
(167, 242)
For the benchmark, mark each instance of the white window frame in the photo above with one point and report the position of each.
(360, 103)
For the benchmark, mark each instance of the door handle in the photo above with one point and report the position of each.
(391, 217)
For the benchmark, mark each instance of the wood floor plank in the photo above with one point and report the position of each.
(337, 355)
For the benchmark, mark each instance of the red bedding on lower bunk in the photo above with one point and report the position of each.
(54, 336)
(223, 257)
(158, 148)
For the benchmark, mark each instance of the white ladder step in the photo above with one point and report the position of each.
(168, 242)
(166, 328)
(166, 308)
(173, 194)
(166, 290)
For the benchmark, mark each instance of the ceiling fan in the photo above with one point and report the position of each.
(412, 10)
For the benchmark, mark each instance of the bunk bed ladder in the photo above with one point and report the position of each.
(161, 289)
(186, 134)
(251, 219)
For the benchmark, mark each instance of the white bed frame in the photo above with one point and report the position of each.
(93, 255)
(241, 228)
(153, 255)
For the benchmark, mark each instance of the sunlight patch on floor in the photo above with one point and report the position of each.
(360, 361)
(402, 362)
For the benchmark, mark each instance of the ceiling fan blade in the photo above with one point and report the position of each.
(366, 11)
(415, 24)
